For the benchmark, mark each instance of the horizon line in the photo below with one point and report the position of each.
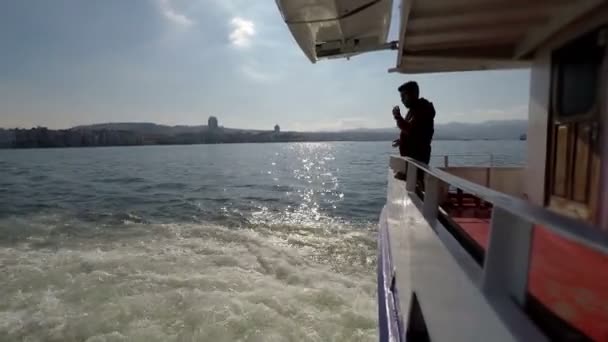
(252, 129)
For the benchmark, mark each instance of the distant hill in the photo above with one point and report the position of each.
(143, 128)
(496, 130)
(493, 130)
(143, 133)
(148, 128)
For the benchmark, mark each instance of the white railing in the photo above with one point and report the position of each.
(567, 227)
(506, 266)
(475, 160)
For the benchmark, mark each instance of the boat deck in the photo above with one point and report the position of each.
(520, 271)
(567, 278)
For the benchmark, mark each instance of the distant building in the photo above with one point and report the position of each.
(212, 123)
(7, 138)
(277, 129)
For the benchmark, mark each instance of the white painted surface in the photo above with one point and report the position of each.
(458, 35)
(395, 215)
(538, 121)
(445, 279)
(507, 260)
(405, 9)
(461, 300)
(336, 22)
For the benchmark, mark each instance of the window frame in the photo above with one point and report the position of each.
(556, 66)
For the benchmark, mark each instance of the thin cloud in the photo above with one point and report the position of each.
(173, 16)
(242, 32)
(255, 74)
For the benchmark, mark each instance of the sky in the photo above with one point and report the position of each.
(72, 62)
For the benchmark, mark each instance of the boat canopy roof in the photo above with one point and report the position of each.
(434, 35)
(337, 28)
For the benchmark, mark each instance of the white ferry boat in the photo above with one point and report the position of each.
(491, 254)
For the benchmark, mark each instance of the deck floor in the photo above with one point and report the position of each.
(569, 279)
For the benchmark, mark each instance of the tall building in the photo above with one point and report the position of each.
(212, 123)
(277, 129)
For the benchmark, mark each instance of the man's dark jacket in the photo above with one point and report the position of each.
(417, 129)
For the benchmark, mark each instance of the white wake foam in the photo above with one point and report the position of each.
(187, 282)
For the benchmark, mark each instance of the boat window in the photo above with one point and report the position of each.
(578, 66)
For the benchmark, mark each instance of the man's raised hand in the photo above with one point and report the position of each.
(396, 112)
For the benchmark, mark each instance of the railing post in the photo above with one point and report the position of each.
(446, 162)
(507, 259)
(411, 177)
(398, 164)
(431, 199)
(488, 177)
(489, 172)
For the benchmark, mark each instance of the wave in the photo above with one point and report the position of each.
(188, 281)
(173, 186)
(122, 180)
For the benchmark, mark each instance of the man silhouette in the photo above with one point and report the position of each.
(417, 128)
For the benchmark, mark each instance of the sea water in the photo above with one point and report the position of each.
(246, 242)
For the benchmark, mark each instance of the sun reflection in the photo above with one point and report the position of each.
(312, 173)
